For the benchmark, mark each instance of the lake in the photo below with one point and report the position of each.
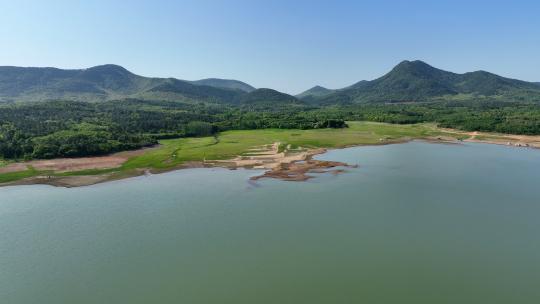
(414, 223)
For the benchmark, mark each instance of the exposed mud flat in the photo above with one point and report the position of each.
(287, 164)
(268, 157)
(299, 171)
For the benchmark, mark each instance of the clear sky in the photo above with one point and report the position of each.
(285, 45)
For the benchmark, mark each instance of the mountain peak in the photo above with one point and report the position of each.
(416, 66)
(410, 73)
(316, 91)
(413, 81)
(108, 69)
(413, 62)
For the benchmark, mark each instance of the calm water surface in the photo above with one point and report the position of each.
(415, 223)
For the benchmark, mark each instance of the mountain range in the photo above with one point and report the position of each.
(409, 81)
(416, 81)
(110, 82)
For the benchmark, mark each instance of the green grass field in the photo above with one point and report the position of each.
(232, 143)
(173, 152)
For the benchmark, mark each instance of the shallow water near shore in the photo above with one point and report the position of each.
(414, 223)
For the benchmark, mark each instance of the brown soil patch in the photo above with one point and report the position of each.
(13, 168)
(60, 165)
(77, 164)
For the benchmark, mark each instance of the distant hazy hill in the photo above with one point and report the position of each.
(107, 82)
(316, 91)
(412, 81)
(179, 90)
(268, 96)
(225, 84)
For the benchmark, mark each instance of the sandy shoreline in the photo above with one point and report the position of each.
(278, 162)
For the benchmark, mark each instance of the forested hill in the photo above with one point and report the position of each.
(268, 96)
(225, 84)
(417, 81)
(314, 93)
(108, 82)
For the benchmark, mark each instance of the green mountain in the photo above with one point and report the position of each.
(97, 83)
(225, 84)
(416, 81)
(269, 97)
(178, 90)
(409, 81)
(313, 93)
(107, 82)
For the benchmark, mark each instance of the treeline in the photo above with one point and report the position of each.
(79, 140)
(488, 116)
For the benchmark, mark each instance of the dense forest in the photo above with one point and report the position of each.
(489, 116)
(69, 129)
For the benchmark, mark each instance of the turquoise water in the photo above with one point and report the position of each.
(414, 223)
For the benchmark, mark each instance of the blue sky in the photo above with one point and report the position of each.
(286, 45)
